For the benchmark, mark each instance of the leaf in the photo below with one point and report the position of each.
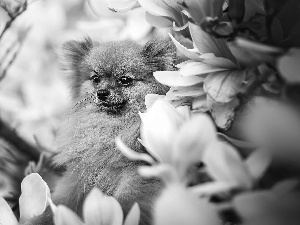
(133, 217)
(208, 44)
(121, 6)
(258, 47)
(192, 139)
(198, 69)
(286, 186)
(65, 216)
(158, 21)
(266, 208)
(7, 216)
(173, 79)
(289, 65)
(101, 209)
(223, 113)
(34, 198)
(258, 162)
(224, 164)
(189, 53)
(224, 86)
(252, 7)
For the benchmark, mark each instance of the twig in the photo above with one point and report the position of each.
(22, 35)
(21, 145)
(13, 17)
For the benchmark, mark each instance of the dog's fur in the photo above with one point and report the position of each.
(87, 141)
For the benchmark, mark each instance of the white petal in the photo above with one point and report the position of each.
(133, 217)
(34, 198)
(289, 65)
(151, 98)
(189, 91)
(100, 8)
(211, 188)
(164, 172)
(101, 209)
(7, 217)
(199, 68)
(158, 21)
(224, 164)
(224, 86)
(208, 44)
(258, 162)
(131, 154)
(190, 142)
(65, 216)
(154, 9)
(173, 79)
(199, 104)
(166, 8)
(179, 206)
(211, 59)
(223, 113)
(190, 53)
(158, 127)
(121, 6)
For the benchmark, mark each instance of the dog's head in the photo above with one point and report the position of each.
(116, 76)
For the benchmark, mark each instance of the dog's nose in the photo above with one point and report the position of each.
(102, 94)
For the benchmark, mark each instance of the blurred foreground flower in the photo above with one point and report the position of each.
(98, 209)
(289, 65)
(174, 139)
(277, 206)
(33, 201)
(229, 171)
(177, 205)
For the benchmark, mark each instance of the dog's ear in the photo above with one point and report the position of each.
(160, 54)
(72, 58)
(73, 52)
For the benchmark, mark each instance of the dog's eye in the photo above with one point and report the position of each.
(95, 79)
(124, 80)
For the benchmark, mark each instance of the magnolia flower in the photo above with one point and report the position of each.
(98, 209)
(229, 171)
(211, 80)
(33, 201)
(174, 139)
